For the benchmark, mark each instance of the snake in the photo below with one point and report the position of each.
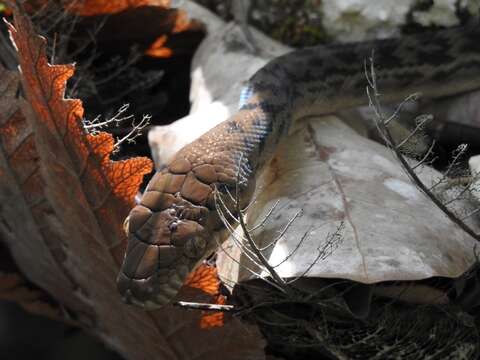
(176, 226)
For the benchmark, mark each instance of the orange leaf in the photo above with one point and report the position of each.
(100, 7)
(170, 44)
(63, 202)
(108, 187)
(206, 278)
(157, 49)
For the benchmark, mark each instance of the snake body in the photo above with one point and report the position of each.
(176, 226)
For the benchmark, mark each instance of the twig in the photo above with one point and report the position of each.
(204, 306)
(278, 280)
(374, 95)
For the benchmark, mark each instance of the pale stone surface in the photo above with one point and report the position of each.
(441, 13)
(474, 164)
(216, 84)
(354, 20)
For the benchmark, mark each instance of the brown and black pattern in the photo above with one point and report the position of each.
(176, 226)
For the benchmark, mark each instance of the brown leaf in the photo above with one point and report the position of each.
(156, 30)
(15, 287)
(22, 188)
(92, 7)
(99, 7)
(63, 222)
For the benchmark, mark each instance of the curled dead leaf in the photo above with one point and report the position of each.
(66, 203)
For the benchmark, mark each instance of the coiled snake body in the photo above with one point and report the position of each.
(176, 225)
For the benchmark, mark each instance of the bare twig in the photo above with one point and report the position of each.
(96, 124)
(135, 132)
(228, 206)
(382, 122)
(204, 307)
(333, 241)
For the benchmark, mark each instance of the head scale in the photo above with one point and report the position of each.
(168, 236)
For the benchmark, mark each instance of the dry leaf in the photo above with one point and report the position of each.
(15, 287)
(206, 278)
(63, 224)
(99, 7)
(152, 25)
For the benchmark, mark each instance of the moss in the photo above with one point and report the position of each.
(293, 22)
(296, 23)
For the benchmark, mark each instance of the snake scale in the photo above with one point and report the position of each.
(175, 226)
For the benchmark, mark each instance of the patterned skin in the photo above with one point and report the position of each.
(175, 226)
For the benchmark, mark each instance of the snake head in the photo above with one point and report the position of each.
(168, 236)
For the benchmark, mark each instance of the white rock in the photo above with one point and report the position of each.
(442, 12)
(221, 60)
(354, 20)
(474, 164)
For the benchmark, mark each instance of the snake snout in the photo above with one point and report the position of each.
(162, 250)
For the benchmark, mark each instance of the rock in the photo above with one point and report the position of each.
(216, 85)
(474, 164)
(354, 20)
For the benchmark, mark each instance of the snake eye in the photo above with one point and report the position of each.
(195, 247)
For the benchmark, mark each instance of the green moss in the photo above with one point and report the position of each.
(293, 22)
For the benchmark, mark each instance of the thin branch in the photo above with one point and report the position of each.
(134, 133)
(426, 156)
(116, 119)
(204, 306)
(332, 239)
(281, 283)
(374, 96)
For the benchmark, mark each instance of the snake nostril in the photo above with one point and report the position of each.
(173, 226)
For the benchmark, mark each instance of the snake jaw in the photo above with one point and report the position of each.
(172, 230)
